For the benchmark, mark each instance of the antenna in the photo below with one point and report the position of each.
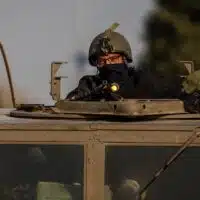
(8, 74)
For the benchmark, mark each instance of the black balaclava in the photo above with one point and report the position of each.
(118, 73)
(114, 73)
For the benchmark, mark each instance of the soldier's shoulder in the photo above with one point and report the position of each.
(88, 77)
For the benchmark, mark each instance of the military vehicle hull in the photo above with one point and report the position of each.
(104, 153)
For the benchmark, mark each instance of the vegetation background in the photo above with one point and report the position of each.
(171, 33)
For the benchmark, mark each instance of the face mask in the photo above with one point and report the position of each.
(113, 72)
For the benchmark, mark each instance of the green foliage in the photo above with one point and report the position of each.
(172, 33)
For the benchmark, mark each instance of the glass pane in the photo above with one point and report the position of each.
(30, 172)
(130, 167)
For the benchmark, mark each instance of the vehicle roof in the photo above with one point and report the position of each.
(170, 122)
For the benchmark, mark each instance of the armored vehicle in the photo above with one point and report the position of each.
(85, 150)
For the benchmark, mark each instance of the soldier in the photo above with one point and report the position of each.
(110, 53)
(191, 92)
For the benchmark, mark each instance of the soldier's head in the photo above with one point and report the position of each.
(129, 189)
(112, 49)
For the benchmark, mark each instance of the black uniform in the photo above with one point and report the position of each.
(113, 73)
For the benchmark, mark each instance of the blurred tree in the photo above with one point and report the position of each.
(172, 33)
